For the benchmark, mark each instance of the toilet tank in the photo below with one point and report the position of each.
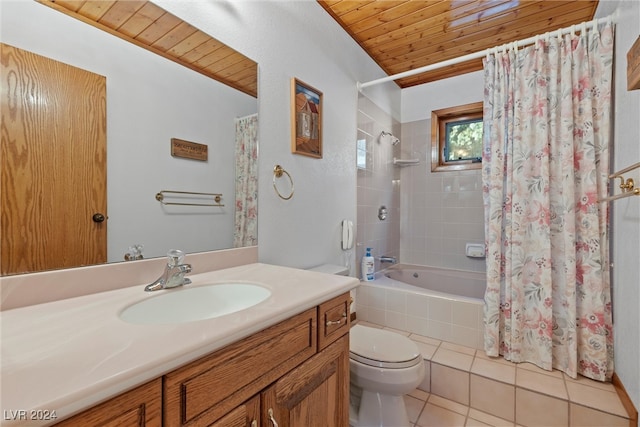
(339, 270)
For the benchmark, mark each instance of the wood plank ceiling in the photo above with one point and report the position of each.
(404, 35)
(151, 27)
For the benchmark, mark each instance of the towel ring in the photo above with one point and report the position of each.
(277, 173)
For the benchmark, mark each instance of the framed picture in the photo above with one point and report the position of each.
(306, 119)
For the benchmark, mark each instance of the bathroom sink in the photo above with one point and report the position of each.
(188, 304)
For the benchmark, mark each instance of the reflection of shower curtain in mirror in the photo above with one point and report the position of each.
(246, 222)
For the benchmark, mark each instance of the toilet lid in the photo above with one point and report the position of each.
(380, 348)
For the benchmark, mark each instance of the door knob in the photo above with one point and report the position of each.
(98, 217)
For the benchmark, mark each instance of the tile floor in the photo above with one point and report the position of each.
(464, 387)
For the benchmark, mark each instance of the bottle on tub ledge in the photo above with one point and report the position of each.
(368, 266)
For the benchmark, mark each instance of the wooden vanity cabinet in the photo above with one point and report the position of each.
(203, 391)
(334, 319)
(315, 394)
(299, 370)
(140, 407)
(295, 373)
(245, 415)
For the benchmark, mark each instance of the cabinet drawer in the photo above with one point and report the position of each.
(205, 390)
(333, 319)
(139, 407)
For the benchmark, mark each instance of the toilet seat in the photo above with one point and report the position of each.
(382, 349)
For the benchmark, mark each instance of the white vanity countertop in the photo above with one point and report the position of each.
(68, 355)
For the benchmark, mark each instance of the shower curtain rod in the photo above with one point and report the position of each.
(476, 55)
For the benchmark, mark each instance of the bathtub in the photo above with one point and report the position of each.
(434, 302)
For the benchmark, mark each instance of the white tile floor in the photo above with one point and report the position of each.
(464, 387)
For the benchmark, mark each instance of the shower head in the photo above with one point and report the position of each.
(394, 140)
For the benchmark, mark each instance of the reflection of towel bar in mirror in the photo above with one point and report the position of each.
(217, 198)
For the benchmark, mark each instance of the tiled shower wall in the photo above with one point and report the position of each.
(431, 215)
(378, 185)
(440, 211)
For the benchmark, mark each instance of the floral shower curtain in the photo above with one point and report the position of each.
(246, 221)
(545, 162)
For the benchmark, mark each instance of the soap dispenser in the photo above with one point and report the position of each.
(368, 266)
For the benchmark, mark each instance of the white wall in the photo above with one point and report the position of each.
(149, 101)
(296, 39)
(419, 101)
(626, 212)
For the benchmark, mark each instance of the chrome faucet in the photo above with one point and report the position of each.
(390, 259)
(173, 273)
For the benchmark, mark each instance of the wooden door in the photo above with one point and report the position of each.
(315, 394)
(53, 159)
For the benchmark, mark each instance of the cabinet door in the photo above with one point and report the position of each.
(315, 394)
(139, 407)
(207, 389)
(245, 415)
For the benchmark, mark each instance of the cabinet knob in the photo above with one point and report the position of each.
(273, 421)
(254, 423)
(98, 217)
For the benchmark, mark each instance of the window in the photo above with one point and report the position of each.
(361, 154)
(456, 138)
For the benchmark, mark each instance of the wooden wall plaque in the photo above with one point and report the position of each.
(189, 150)
(633, 66)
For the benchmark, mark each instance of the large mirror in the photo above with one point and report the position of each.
(149, 100)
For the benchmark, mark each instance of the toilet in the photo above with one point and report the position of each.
(384, 366)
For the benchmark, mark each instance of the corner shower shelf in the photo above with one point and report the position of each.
(405, 162)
